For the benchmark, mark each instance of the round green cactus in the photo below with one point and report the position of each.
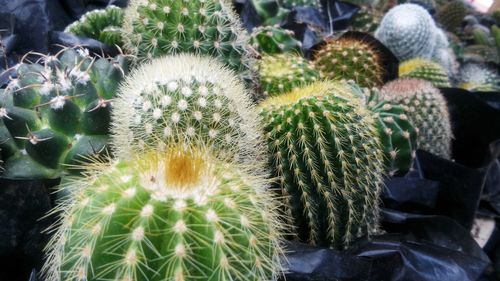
(274, 39)
(476, 77)
(451, 15)
(305, 3)
(428, 112)
(57, 113)
(366, 20)
(426, 70)
(180, 215)
(324, 151)
(350, 59)
(184, 98)
(285, 72)
(103, 25)
(153, 28)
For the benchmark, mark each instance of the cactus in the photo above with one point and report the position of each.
(177, 215)
(350, 59)
(153, 28)
(409, 31)
(326, 156)
(184, 98)
(428, 112)
(57, 113)
(429, 5)
(274, 39)
(451, 15)
(443, 54)
(426, 70)
(476, 77)
(285, 72)
(103, 25)
(305, 3)
(366, 20)
(480, 54)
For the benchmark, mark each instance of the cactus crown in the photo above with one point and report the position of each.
(274, 39)
(426, 70)
(350, 59)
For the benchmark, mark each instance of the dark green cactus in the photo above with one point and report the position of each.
(366, 20)
(451, 15)
(285, 72)
(57, 113)
(325, 153)
(274, 39)
(426, 70)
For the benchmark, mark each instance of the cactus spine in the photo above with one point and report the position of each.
(476, 77)
(426, 70)
(427, 111)
(274, 39)
(325, 153)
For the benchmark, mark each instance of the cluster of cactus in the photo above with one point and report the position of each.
(366, 20)
(451, 15)
(274, 39)
(178, 215)
(325, 153)
(476, 77)
(428, 112)
(426, 70)
(153, 28)
(285, 72)
(103, 25)
(350, 59)
(57, 113)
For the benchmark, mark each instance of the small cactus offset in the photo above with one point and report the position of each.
(451, 15)
(178, 215)
(409, 31)
(325, 153)
(184, 98)
(476, 77)
(428, 112)
(366, 20)
(426, 70)
(153, 28)
(57, 112)
(103, 25)
(274, 39)
(350, 59)
(285, 72)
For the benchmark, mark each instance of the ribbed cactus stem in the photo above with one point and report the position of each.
(426, 70)
(274, 39)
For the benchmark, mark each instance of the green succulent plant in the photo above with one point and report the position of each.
(426, 70)
(273, 40)
(451, 15)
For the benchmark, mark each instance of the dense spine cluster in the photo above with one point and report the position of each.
(325, 153)
(426, 70)
(274, 39)
(475, 77)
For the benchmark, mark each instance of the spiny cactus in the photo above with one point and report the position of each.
(429, 5)
(443, 54)
(274, 39)
(185, 98)
(57, 112)
(305, 3)
(285, 72)
(428, 112)
(103, 25)
(451, 15)
(325, 152)
(350, 59)
(153, 28)
(366, 20)
(476, 77)
(426, 70)
(177, 215)
(409, 31)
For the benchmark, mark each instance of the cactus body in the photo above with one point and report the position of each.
(350, 59)
(103, 25)
(181, 215)
(274, 39)
(154, 28)
(428, 112)
(184, 98)
(426, 70)
(366, 20)
(285, 72)
(324, 151)
(58, 112)
(429, 5)
(476, 77)
(305, 3)
(451, 15)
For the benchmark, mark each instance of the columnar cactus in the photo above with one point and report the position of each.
(184, 98)
(409, 31)
(428, 112)
(178, 215)
(476, 77)
(103, 25)
(325, 153)
(350, 59)
(285, 72)
(426, 70)
(274, 39)
(153, 28)
(57, 113)
(451, 15)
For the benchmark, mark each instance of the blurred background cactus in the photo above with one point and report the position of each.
(478, 77)
(274, 39)
(366, 20)
(451, 15)
(426, 70)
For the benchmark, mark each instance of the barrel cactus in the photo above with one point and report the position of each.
(428, 112)
(57, 112)
(451, 15)
(285, 72)
(426, 70)
(476, 77)
(366, 20)
(184, 98)
(326, 156)
(103, 25)
(350, 59)
(178, 215)
(153, 28)
(274, 39)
